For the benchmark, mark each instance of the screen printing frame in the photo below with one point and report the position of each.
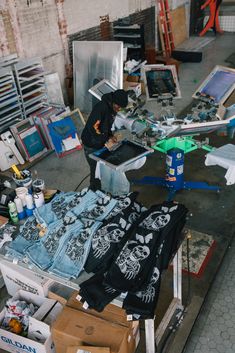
(209, 78)
(96, 155)
(94, 60)
(95, 90)
(160, 67)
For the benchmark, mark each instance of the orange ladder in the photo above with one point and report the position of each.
(165, 27)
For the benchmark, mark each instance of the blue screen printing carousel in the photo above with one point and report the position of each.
(168, 134)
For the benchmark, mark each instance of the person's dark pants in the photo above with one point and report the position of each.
(94, 182)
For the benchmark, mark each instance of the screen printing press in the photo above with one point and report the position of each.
(213, 110)
(208, 113)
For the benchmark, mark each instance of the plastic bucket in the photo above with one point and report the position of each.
(38, 184)
(26, 181)
(21, 192)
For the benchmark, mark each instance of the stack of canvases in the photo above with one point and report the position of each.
(126, 245)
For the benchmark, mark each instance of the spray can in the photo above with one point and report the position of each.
(19, 208)
(38, 198)
(13, 212)
(29, 204)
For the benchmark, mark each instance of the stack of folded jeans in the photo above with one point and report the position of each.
(64, 203)
(42, 253)
(27, 236)
(72, 254)
(70, 220)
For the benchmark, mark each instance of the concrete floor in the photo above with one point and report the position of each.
(212, 213)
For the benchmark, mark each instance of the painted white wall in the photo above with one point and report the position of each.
(39, 28)
(82, 15)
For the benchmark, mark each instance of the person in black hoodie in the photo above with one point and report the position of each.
(97, 131)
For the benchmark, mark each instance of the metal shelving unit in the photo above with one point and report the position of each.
(133, 39)
(10, 104)
(9, 60)
(30, 76)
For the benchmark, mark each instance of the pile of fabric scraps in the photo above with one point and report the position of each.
(16, 318)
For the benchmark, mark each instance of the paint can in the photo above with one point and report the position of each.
(38, 198)
(26, 180)
(38, 184)
(21, 193)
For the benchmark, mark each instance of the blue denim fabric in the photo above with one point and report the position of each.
(28, 235)
(99, 209)
(63, 203)
(48, 213)
(71, 256)
(80, 204)
(42, 253)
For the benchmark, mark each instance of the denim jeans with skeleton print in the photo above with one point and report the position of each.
(42, 253)
(71, 256)
(63, 203)
(28, 234)
(99, 209)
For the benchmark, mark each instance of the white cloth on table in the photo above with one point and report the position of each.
(224, 157)
(115, 181)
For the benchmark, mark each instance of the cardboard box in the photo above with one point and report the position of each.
(133, 78)
(74, 327)
(3, 220)
(87, 349)
(134, 86)
(14, 343)
(60, 293)
(16, 278)
(110, 313)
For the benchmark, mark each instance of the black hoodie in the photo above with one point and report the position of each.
(98, 127)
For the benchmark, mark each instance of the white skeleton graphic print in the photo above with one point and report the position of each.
(60, 206)
(75, 248)
(158, 219)
(121, 205)
(128, 260)
(111, 233)
(148, 295)
(30, 230)
(97, 210)
(109, 289)
(51, 242)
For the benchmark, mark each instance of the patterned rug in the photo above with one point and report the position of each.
(201, 247)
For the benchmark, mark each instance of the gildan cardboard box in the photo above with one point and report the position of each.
(16, 278)
(111, 312)
(77, 328)
(39, 338)
(87, 349)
